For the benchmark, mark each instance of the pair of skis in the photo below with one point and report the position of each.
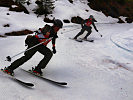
(81, 40)
(28, 84)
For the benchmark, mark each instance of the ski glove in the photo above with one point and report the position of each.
(54, 50)
(97, 30)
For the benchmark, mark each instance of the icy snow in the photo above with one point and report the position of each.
(102, 70)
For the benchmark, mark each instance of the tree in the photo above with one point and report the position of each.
(45, 7)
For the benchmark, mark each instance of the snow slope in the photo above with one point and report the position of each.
(94, 71)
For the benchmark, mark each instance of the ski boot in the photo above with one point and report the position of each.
(8, 71)
(75, 38)
(85, 39)
(37, 71)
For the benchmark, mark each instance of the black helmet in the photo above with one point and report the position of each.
(91, 16)
(58, 23)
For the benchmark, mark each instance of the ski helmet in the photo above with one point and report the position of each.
(58, 23)
(91, 16)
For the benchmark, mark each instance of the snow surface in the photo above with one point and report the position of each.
(102, 70)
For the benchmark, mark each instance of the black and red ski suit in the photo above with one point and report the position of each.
(43, 49)
(86, 26)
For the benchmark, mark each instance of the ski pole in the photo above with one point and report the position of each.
(8, 58)
(100, 34)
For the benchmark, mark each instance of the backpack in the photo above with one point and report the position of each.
(45, 29)
(28, 39)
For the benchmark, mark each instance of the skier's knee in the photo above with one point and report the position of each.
(49, 55)
(80, 33)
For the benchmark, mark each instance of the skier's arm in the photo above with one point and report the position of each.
(53, 43)
(94, 26)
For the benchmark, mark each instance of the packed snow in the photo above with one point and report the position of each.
(102, 70)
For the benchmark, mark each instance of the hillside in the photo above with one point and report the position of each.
(114, 8)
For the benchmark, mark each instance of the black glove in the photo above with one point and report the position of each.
(54, 50)
(97, 30)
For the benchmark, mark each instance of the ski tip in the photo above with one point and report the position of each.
(30, 84)
(91, 40)
(64, 83)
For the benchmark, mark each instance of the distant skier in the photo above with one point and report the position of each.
(42, 35)
(86, 27)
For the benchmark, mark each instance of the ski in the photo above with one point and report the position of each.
(78, 40)
(46, 79)
(87, 40)
(18, 80)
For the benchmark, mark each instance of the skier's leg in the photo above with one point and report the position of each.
(80, 33)
(89, 32)
(47, 56)
(23, 59)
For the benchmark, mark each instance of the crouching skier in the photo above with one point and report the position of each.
(45, 35)
(86, 27)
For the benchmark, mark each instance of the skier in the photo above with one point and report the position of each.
(42, 35)
(86, 27)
